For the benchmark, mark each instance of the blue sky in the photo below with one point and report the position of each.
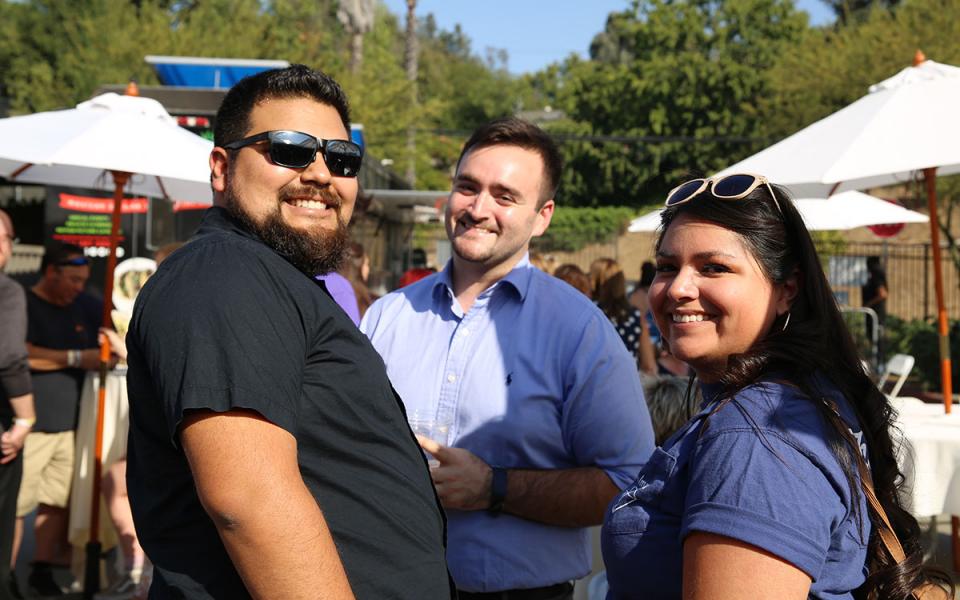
(536, 33)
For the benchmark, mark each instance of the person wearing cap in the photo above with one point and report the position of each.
(16, 399)
(548, 417)
(62, 340)
(268, 455)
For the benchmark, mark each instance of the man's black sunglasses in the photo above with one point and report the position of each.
(76, 261)
(298, 150)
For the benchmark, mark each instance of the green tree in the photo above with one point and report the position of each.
(850, 11)
(54, 54)
(63, 51)
(673, 89)
(831, 68)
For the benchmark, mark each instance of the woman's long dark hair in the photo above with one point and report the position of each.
(816, 341)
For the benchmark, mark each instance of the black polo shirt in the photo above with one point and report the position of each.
(227, 323)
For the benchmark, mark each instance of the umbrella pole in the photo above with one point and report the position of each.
(930, 175)
(93, 550)
(945, 367)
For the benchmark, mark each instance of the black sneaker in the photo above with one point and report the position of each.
(41, 581)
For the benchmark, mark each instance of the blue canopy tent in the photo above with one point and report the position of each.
(203, 72)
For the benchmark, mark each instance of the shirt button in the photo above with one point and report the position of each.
(466, 332)
(451, 377)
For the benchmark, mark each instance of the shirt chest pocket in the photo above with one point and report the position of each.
(645, 498)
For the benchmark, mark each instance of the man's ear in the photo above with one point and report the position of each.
(544, 214)
(219, 166)
(788, 292)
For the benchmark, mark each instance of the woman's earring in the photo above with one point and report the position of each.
(787, 322)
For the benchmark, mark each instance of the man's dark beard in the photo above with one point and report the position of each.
(313, 253)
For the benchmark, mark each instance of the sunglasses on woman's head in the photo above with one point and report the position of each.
(297, 150)
(727, 187)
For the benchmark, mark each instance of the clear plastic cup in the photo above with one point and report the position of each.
(430, 424)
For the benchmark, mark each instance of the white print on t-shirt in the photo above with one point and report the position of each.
(862, 445)
(629, 496)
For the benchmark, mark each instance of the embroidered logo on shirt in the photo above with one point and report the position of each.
(629, 496)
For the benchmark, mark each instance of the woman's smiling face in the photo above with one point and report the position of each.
(710, 297)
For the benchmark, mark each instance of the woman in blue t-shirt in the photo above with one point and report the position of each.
(758, 496)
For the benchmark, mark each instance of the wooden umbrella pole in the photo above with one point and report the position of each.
(92, 571)
(930, 175)
(120, 180)
(91, 578)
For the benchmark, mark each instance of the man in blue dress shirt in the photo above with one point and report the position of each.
(547, 416)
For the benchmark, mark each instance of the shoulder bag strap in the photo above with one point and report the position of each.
(888, 537)
(884, 528)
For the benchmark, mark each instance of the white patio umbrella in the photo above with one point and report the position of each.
(123, 143)
(79, 147)
(905, 125)
(846, 210)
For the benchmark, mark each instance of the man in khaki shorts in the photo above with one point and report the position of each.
(62, 345)
(45, 487)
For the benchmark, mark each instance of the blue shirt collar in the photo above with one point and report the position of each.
(518, 278)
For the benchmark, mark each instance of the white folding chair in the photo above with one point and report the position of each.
(896, 372)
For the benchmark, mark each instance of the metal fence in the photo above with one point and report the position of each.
(910, 278)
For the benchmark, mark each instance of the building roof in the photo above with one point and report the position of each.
(407, 206)
(177, 100)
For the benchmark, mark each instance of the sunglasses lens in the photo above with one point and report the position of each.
(292, 149)
(343, 158)
(684, 192)
(733, 186)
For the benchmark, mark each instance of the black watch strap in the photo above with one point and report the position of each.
(498, 490)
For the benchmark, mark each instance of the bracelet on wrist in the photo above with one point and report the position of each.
(25, 421)
(73, 358)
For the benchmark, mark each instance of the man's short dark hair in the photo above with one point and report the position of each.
(296, 81)
(57, 252)
(511, 131)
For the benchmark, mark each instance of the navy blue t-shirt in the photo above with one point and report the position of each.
(56, 394)
(761, 472)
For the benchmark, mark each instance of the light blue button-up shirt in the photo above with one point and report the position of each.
(534, 377)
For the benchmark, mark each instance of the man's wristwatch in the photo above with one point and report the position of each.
(498, 490)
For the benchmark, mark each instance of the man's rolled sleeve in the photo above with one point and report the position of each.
(605, 419)
(757, 487)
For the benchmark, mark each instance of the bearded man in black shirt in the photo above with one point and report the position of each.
(269, 456)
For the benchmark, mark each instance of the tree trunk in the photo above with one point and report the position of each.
(356, 51)
(410, 62)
